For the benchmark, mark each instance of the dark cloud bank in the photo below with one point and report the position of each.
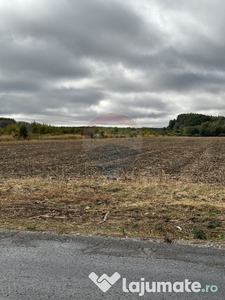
(67, 61)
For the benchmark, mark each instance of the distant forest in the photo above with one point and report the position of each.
(197, 125)
(191, 124)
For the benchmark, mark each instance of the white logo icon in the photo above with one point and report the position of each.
(104, 282)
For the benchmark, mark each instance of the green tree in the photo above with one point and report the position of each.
(12, 129)
(23, 132)
(35, 128)
(115, 131)
(204, 129)
(171, 124)
(4, 122)
(102, 134)
(191, 130)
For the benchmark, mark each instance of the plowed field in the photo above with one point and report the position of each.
(183, 159)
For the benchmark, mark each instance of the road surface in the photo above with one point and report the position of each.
(43, 266)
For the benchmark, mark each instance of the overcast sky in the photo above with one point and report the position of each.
(65, 62)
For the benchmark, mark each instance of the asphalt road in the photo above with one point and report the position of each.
(43, 266)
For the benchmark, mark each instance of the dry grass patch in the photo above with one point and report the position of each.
(171, 210)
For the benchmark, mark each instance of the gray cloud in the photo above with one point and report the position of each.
(65, 62)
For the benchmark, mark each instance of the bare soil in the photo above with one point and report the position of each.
(183, 159)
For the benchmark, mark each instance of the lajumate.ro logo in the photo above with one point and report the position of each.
(141, 287)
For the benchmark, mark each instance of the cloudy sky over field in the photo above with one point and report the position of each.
(64, 62)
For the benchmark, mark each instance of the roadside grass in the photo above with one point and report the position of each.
(124, 208)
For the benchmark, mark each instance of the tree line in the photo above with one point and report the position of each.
(31, 130)
(191, 124)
